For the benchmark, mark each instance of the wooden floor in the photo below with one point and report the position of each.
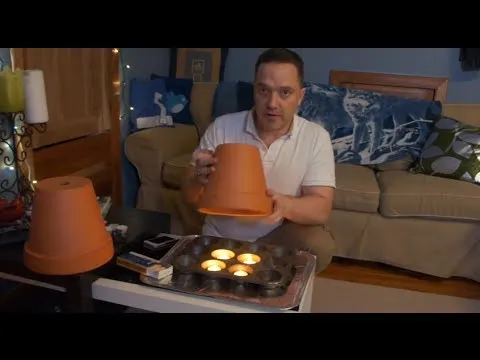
(388, 276)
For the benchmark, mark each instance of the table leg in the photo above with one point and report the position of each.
(79, 293)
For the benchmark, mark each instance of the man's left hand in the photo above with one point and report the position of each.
(282, 205)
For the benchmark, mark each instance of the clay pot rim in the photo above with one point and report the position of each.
(209, 211)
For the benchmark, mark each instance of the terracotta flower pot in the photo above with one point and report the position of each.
(237, 187)
(67, 234)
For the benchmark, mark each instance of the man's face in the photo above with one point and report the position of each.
(278, 94)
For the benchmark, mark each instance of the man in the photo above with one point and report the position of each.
(297, 158)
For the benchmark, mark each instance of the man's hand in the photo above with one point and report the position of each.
(204, 165)
(282, 205)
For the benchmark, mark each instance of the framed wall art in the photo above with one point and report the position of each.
(198, 64)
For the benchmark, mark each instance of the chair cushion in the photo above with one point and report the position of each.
(174, 170)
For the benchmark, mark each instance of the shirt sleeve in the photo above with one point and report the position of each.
(321, 170)
(207, 142)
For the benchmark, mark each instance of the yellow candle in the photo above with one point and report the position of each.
(12, 94)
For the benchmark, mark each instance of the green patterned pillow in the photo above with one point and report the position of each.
(451, 151)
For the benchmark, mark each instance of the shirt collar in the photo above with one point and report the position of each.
(252, 130)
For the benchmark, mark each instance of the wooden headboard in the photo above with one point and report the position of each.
(415, 87)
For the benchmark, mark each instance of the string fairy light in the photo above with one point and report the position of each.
(123, 82)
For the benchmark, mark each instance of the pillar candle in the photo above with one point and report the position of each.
(36, 109)
(12, 94)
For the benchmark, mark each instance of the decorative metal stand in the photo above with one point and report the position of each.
(15, 183)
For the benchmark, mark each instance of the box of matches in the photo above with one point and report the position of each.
(143, 265)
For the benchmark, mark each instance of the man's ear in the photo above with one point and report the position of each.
(302, 94)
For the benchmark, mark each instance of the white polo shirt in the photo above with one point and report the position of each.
(303, 157)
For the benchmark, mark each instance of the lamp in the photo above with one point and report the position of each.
(67, 234)
(237, 187)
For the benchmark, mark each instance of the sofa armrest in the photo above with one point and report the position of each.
(148, 149)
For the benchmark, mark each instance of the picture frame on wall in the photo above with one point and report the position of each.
(198, 64)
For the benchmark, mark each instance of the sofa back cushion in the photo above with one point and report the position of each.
(231, 97)
(451, 151)
(369, 128)
(201, 104)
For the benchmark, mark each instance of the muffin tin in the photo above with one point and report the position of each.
(230, 265)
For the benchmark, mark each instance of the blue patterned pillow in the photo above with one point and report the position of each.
(369, 128)
(179, 93)
(142, 99)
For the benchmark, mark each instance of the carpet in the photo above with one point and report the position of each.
(336, 296)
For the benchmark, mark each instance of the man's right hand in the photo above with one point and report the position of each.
(204, 165)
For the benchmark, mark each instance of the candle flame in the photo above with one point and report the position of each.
(214, 268)
(240, 273)
(249, 259)
(223, 254)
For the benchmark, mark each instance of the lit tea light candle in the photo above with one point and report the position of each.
(223, 254)
(240, 270)
(249, 259)
(214, 268)
(213, 265)
(240, 273)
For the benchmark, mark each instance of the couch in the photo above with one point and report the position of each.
(382, 212)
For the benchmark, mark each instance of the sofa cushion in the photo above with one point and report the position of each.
(201, 103)
(357, 188)
(149, 149)
(369, 128)
(174, 169)
(407, 194)
(401, 164)
(451, 151)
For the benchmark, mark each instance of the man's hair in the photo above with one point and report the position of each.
(281, 56)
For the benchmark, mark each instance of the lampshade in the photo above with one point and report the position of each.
(237, 187)
(67, 234)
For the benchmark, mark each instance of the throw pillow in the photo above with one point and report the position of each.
(232, 97)
(369, 128)
(245, 95)
(451, 151)
(225, 99)
(142, 101)
(177, 98)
